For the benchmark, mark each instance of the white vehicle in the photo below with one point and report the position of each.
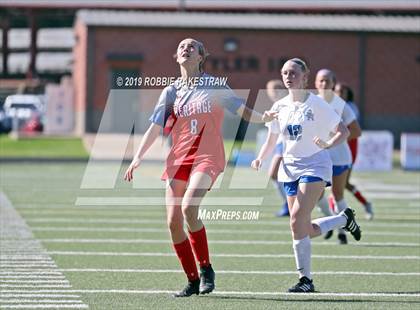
(23, 106)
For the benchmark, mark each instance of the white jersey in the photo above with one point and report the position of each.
(273, 127)
(341, 154)
(298, 124)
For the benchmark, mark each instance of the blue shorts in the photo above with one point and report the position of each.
(291, 188)
(337, 170)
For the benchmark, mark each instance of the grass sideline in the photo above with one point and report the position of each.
(72, 148)
(42, 147)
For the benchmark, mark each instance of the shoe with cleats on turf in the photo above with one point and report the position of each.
(207, 277)
(342, 238)
(193, 287)
(303, 286)
(328, 234)
(351, 225)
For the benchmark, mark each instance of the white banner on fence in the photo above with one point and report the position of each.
(60, 108)
(410, 151)
(375, 151)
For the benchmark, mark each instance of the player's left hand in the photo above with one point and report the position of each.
(268, 116)
(256, 164)
(321, 143)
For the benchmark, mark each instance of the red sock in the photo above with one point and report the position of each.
(198, 241)
(360, 197)
(331, 203)
(184, 252)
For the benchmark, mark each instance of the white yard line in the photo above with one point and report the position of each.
(21, 251)
(30, 272)
(410, 194)
(30, 276)
(26, 265)
(126, 220)
(253, 272)
(210, 231)
(38, 301)
(29, 295)
(159, 201)
(246, 242)
(46, 306)
(238, 293)
(388, 187)
(159, 254)
(43, 281)
(161, 209)
(37, 286)
(392, 195)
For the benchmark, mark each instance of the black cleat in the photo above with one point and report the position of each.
(328, 235)
(191, 289)
(304, 286)
(207, 277)
(351, 224)
(342, 238)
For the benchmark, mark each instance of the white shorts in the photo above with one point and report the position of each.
(340, 154)
(317, 165)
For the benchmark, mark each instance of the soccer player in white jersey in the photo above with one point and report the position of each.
(276, 91)
(340, 154)
(346, 93)
(306, 122)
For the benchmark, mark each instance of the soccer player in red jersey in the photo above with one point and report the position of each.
(196, 157)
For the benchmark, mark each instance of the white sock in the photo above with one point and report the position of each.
(324, 206)
(341, 205)
(280, 189)
(330, 222)
(302, 249)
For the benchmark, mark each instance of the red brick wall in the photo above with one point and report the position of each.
(392, 72)
(393, 75)
(158, 46)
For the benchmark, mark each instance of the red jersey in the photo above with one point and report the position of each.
(197, 115)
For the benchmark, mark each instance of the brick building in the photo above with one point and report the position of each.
(378, 56)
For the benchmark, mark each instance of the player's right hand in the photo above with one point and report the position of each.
(128, 175)
(268, 116)
(256, 164)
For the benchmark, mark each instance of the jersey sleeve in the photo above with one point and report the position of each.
(328, 116)
(273, 127)
(229, 100)
(164, 106)
(348, 115)
(355, 109)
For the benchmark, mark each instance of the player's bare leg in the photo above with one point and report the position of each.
(359, 196)
(273, 172)
(338, 185)
(325, 209)
(301, 227)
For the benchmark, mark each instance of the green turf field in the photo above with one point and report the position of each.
(117, 255)
(42, 147)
